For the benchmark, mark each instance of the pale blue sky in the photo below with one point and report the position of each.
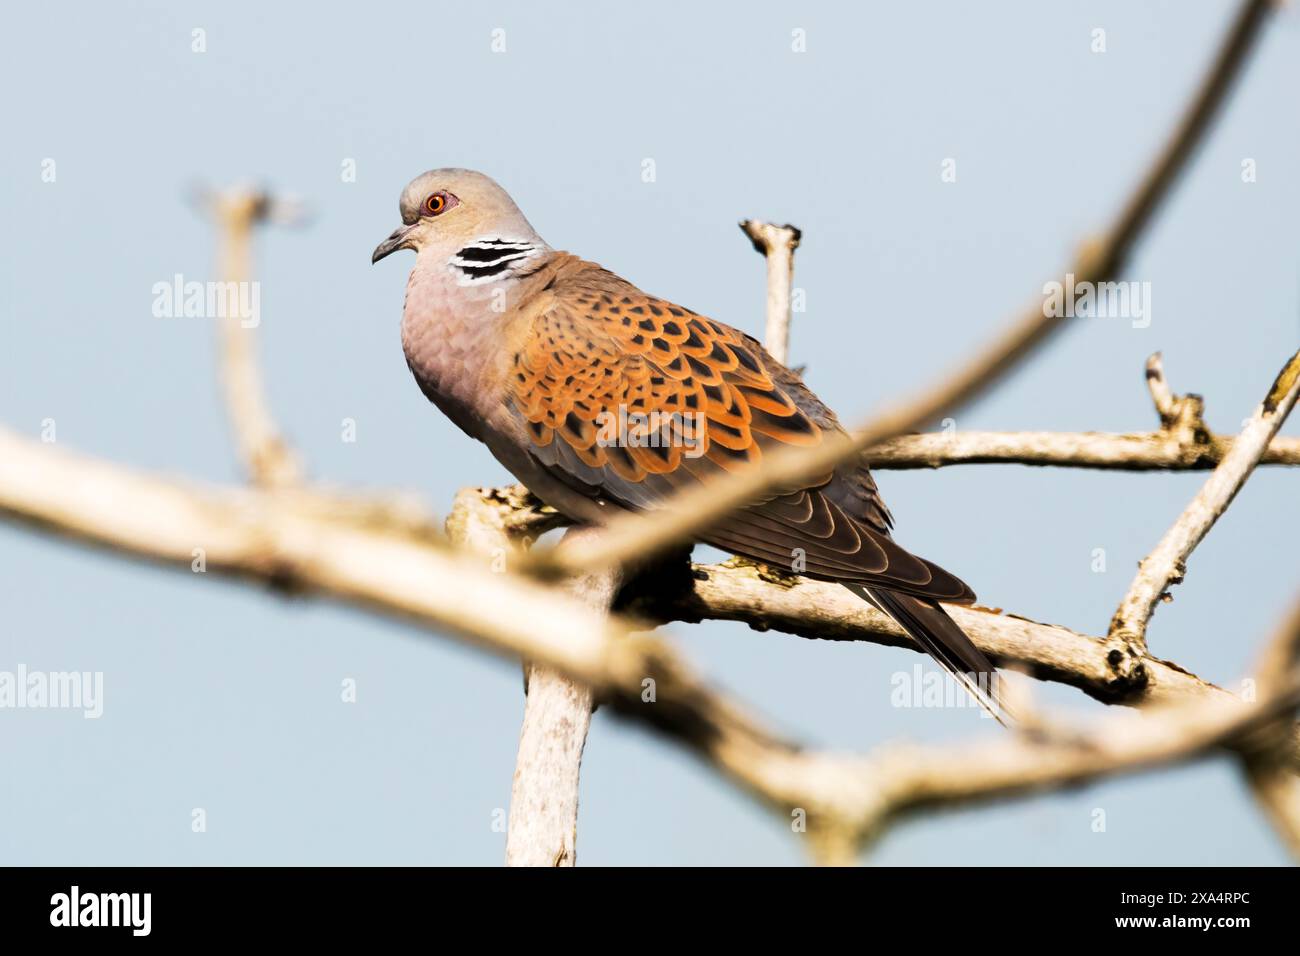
(222, 697)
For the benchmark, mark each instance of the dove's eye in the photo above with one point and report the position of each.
(438, 203)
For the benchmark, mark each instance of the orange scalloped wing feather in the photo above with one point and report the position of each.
(630, 397)
(642, 386)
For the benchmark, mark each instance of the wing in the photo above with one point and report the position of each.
(630, 398)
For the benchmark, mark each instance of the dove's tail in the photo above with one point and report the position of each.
(930, 626)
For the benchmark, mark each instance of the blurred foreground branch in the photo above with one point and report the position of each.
(265, 537)
(698, 507)
(266, 457)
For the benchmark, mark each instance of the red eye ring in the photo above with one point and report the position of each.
(435, 204)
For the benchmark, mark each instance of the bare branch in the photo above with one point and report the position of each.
(518, 512)
(777, 245)
(1161, 394)
(1133, 451)
(632, 534)
(248, 533)
(543, 822)
(1106, 669)
(1110, 670)
(1267, 758)
(544, 797)
(385, 558)
(1277, 789)
(291, 543)
(851, 800)
(268, 461)
(1183, 443)
(543, 826)
(1281, 657)
(265, 536)
(753, 594)
(918, 778)
(1166, 565)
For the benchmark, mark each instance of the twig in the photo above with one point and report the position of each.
(1183, 443)
(1103, 451)
(1166, 565)
(696, 509)
(1167, 404)
(777, 245)
(267, 459)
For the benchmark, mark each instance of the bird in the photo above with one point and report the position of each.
(602, 398)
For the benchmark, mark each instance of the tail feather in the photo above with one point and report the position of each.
(930, 626)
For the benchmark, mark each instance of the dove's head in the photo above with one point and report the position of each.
(445, 210)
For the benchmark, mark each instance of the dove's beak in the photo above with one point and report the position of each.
(390, 245)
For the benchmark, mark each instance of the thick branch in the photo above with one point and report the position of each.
(743, 591)
(739, 590)
(1108, 669)
(294, 544)
(543, 821)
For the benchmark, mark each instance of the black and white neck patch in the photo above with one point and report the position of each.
(485, 260)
